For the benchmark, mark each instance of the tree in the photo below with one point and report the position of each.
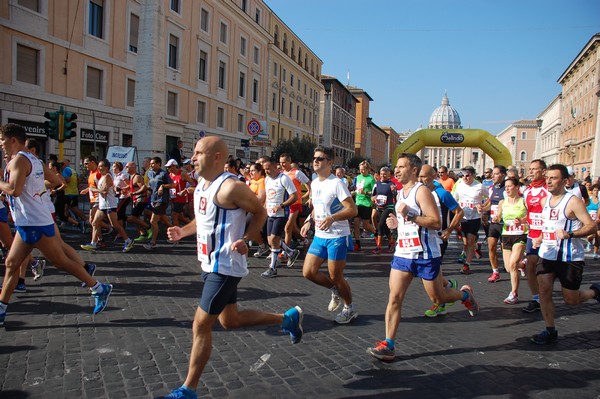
(355, 161)
(300, 150)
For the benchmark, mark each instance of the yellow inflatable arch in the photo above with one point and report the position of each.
(455, 138)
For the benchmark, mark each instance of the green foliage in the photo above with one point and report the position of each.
(355, 161)
(300, 150)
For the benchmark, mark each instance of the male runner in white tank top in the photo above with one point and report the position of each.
(220, 199)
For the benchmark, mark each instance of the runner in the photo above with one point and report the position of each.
(494, 225)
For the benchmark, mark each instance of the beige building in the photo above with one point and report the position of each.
(150, 73)
(394, 139)
(580, 125)
(548, 145)
(520, 138)
(380, 142)
(338, 107)
(294, 89)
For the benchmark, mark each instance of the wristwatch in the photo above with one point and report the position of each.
(571, 234)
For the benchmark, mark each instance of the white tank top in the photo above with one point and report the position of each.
(216, 229)
(29, 209)
(108, 200)
(414, 241)
(554, 218)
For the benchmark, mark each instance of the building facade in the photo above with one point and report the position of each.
(580, 125)
(548, 145)
(520, 139)
(363, 139)
(338, 107)
(148, 74)
(380, 140)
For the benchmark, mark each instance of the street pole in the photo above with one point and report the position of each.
(61, 132)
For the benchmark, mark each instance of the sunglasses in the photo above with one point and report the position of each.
(320, 159)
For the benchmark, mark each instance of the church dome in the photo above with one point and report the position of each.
(444, 116)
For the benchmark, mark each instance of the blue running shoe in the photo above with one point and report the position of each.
(2, 316)
(90, 268)
(102, 298)
(182, 393)
(292, 323)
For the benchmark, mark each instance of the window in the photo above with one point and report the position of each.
(283, 75)
(292, 80)
(244, 5)
(256, 55)
(201, 117)
(171, 103)
(222, 68)
(94, 83)
(31, 4)
(28, 64)
(274, 69)
(242, 86)
(243, 46)
(297, 112)
(175, 6)
(202, 62)
(204, 20)
(257, 16)
(223, 33)
(240, 125)
(274, 103)
(96, 18)
(134, 26)
(290, 110)
(524, 135)
(255, 91)
(220, 117)
(523, 156)
(173, 44)
(130, 92)
(282, 110)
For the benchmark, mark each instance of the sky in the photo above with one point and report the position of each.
(498, 61)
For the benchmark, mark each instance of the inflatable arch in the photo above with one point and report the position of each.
(455, 138)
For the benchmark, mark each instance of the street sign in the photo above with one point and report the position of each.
(583, 169)
(260, 143)
(254, 127)
(245, 143)
(201, 134)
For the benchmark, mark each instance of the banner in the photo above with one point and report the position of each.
(121, 154)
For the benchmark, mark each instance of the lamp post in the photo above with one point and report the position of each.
(538, 139)
(513, 140)
(327, 114)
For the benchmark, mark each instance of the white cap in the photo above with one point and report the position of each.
(185, 162)
(570, 170)
(171, 163)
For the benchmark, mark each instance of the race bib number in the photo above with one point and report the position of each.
(381, 200)
(173, 193)
(319, 212)
(468, 204)
(409, 241)
(202, 247)
(494, 211)
(271, 209)
(537, 221)
(549, 236)
(360, 187)
(512, 228)
(593, 214)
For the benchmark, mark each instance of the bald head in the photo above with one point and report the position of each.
(209, 157)
(427, 170)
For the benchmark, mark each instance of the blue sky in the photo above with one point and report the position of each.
(499, 61)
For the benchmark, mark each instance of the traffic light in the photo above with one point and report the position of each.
(51, 125)
(70, 125)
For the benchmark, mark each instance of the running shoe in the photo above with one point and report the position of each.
(90, 268)
(512, 298)
(181, 393)
(140, 238)
(262, 251)
(522, 272)
(462, 257)
(470, 303)
(452, 284)
(381, 351)
(128, 245)
(149, 234)
(149, 246)
(269, 273)
(2, 316)
(292, 259)
(545, 337)
(376, 251)
(465, 270)
(531, 307)
(595, 257)
(335, 301)
(356, 247)
(89, 247)
(102, 298)
(346, 315)
(20, 288)
(478, 250)
(596, 288)
(436, 310)
(292, 323)
(494, 277)
(37, 269)
(588, 247)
